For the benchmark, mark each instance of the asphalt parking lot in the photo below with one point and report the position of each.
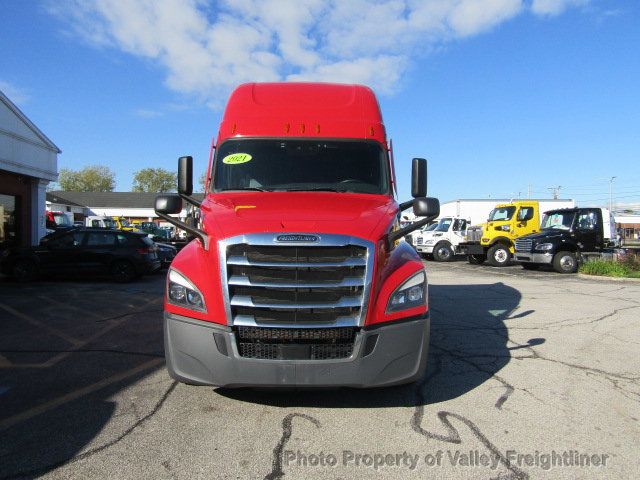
(531, 375)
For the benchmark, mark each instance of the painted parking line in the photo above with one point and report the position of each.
(38, 323)
(68, 306)
(113, 323)
(56, 402)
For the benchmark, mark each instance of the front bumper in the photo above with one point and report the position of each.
(526, 257)
(471, 248)
(203, 353)
(424, 248)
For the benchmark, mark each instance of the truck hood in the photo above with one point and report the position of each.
(360, 215)
(545, 236)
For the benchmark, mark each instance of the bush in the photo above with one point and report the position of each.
(629, 266)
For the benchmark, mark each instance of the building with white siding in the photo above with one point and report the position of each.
(28, 162)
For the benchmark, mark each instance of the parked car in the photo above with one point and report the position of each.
(166, 253)
(122, 255)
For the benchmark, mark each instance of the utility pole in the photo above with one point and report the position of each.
(610, 192)
(555, 191)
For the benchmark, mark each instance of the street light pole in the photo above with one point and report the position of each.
(610, 192)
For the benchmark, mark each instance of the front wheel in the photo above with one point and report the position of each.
(123, 271)
(442, 252)
(476, 259)
(499, 255)
(565, 262)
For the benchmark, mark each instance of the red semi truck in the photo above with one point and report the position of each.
(297, 276)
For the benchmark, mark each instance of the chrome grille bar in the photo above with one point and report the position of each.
(247, 282)
(267, 282)
(247, 301)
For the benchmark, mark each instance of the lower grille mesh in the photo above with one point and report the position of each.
(295, 343)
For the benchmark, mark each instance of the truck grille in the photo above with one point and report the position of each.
(419, 241)
(474, 234)
(523, 245)
(299, 285)
(295, 343)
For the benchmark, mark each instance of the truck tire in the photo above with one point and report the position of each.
(499, 255)
(443, 252)
(476, 259)
(565, 262)
(123, 271)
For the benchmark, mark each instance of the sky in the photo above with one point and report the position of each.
(503, 97)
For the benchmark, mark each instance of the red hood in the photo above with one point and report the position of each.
(359, 215)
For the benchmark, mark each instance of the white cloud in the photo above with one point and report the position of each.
(147, 113)
(554, 7)
(208, 47)
(15, 94)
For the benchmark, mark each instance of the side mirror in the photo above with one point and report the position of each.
(168, 204)
(418, 178)
(426, 207)
(185, 175)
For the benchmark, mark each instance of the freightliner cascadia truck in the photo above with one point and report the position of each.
(297, 276)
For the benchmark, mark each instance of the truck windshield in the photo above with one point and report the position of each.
(108, 223)
(501, 213)
(443, 225)
(62, 220)
(558, 220)
(431, 227)
(301, 165)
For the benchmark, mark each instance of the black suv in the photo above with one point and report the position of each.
(122, 255)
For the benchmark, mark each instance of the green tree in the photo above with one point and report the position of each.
(202, 181)
(93, 178)
(156, 180)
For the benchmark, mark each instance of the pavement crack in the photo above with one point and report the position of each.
(452, 435)
(287, 430)
(127, 314)
(101, 448)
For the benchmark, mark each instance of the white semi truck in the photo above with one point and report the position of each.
(442, 241)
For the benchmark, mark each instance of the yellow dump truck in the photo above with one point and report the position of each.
(121, 223)
(494, 241)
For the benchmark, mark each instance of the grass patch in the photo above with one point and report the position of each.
(629, 268)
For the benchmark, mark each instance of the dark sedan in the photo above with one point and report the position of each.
(122, 255)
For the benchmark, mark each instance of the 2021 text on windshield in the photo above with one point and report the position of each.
(301, 165)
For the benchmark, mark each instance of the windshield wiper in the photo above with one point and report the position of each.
(253, 189)
(319, 189)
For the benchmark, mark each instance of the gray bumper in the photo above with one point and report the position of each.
(199, 352)
(526, 257)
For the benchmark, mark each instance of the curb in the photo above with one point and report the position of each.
(609, 279)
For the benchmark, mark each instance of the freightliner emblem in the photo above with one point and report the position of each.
(297, 238)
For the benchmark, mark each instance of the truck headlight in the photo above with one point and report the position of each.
(411, 293)
(544, 246)
(504, 228)
(429, 242)
(183, 293)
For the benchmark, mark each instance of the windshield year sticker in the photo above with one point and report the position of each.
(236, 158)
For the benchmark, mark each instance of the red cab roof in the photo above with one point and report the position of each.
(309, 110)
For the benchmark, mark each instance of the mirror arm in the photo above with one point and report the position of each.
(393, 236)
(199, 234)
(404, 205)
(190, 199)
